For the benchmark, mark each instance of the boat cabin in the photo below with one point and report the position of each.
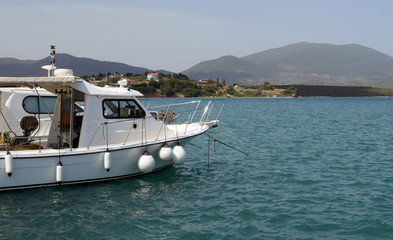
(19, 102)
(81, 114)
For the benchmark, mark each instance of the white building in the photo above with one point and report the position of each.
(152, 76)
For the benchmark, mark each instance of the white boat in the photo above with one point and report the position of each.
(92, 134)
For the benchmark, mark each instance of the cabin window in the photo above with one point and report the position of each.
(42, 105)
(79, 107)
(114, 108)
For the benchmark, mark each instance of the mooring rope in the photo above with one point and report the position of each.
(248, 145)
(208, 150)
(216, 140)
(194, 145)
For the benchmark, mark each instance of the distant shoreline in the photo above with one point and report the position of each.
(339, 91)
(318, 91)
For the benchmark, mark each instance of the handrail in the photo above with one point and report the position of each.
(176, 104)
(219, 113)
(162, 124)
(107, 134)
(129, 131)
(193, 115)
(205, 110)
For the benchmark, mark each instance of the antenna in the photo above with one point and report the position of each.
(51, 68)
(52, 58)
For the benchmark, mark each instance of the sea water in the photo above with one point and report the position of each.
(332, 178)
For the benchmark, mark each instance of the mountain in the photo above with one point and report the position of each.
(226, 67)
(11, 67)
(302, 63)
(15, 67)
(385, 83)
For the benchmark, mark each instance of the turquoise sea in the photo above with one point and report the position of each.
(333, 180)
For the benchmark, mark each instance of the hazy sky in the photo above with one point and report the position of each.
(177, 34)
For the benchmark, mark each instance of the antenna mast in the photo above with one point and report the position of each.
(51, 68)
(52, 59)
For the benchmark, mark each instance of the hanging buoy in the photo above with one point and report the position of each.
(146, 162)
(165, 153)
(9, 164)
(107, 161)
(179, 155)
(59, 172)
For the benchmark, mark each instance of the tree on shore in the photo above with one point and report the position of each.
(266, 86)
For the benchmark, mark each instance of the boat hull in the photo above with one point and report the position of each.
(78, 167)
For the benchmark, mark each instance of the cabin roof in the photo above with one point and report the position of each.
(90, 89)
(74, 82)
(4, 81)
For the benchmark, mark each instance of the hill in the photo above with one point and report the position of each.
(385, 82)
(302, 63)
(11, 67)
(226, 67)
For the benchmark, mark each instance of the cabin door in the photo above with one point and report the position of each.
(71, 117)
(66, 118)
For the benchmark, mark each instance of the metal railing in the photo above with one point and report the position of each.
(204, 111)
(169, 108)
(106, 124)
(183, 112)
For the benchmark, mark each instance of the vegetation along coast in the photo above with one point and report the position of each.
(179, 85)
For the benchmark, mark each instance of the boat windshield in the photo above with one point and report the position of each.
(122, 108)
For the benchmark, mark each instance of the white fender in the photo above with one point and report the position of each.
(59, 172)
(9, 164)
(165, 153)
(107, 161)
(146, 162)
(179, 155)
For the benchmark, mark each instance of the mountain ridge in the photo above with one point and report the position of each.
(12, 67)
(307, 63)
(298, 63)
